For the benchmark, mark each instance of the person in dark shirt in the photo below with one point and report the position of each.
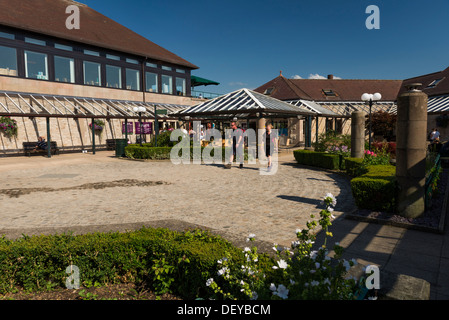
(237, 140)
(41, 144)
(270, 140)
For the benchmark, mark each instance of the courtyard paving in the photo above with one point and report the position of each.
(74, 190)
(87, 193)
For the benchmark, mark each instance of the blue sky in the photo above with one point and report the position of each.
(246, 43)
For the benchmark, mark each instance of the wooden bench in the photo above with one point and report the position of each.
(28, 148)
(110, 144)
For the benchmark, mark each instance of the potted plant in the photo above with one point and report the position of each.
(98, 125)
(8, 126)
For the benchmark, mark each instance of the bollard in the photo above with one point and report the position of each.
(358, 134)
(411, 152)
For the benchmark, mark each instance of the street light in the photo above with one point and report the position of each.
(139, 110)
(370, 98)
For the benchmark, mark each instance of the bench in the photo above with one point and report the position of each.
(28, 148)
(110, 144)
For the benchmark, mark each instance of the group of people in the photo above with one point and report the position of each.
(270, 142)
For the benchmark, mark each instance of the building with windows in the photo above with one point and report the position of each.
(436, 86)
(331, 100)
(74, 76)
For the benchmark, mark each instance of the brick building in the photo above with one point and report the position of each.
(71, 77)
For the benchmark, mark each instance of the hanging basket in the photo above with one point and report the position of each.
(8, 126)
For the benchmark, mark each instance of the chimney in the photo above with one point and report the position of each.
(330, 76)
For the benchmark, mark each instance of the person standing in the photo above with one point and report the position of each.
(436, 135)
(270, 140)
(237, 139)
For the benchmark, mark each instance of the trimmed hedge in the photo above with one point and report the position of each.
(144, 152)
(163, 153)
(39, 262)
(376, 189)
(317, 159)
(353, 165)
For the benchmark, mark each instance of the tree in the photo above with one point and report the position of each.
(383, 123)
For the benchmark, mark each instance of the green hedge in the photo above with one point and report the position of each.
(317, 159)
(39, 262)
(163, 153)
(144, 152)
(353, 165)
(376, 189)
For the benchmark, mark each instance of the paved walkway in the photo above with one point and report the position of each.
(85, 193)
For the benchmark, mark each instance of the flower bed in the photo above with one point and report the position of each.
(191, 264)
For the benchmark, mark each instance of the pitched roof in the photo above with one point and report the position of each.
(244, 101)
(49, 17)
(337, 89)
(433, 84)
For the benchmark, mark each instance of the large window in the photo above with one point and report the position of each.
(132, 79)
(8, 61)
(92, 73)
(36, 65)
(151, 82)
(113, 77)
(180, 86)
(167, 84)
(64, 69)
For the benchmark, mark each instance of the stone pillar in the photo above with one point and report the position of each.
(261, 122)
(411, 152)
(358, 134)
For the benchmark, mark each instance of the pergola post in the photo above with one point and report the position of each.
(316, 129)
(309, 132)
(93, 136)
(260, 125)
(48, 138)
(126, 130)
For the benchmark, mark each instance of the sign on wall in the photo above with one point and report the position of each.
(147, 127)
(130, 127)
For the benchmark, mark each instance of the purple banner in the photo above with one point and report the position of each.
(130, 127)
(147, 127)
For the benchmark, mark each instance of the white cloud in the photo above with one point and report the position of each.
(316, 76)
(241, 84)
(312, 76)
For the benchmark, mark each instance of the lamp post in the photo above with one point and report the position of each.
(139, 110)
(368, 97)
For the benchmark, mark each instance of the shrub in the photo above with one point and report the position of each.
(332, 139)
(39, 262)
(353, 166)
(146, 152)
(386, 148)
(317, 159)
(376, 189)
(298, 273)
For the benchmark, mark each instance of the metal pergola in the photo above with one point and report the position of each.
(248, 104)
(32, 105)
